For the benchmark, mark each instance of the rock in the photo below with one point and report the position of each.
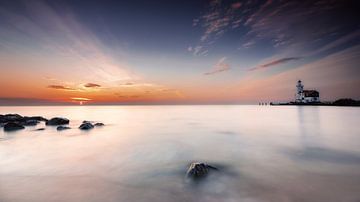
(199, 170)
(346, 102)
(10, 118)
(12, 126)
(86, 126)
(57, 121)
(30, 122)
(37, 118)
(26, 120)
(62, 128)
(96, 124)
(39, 129)
(99, 124)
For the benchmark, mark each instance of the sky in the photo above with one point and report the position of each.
(177, 52)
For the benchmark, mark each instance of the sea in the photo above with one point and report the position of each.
(263, 154)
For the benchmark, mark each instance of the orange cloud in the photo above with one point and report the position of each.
(80, 99)
(92, 85)
(60, 87)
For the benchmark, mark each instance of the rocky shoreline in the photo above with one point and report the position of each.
(14, 122)
(345, 102)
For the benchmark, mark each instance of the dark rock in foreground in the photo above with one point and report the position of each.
(10, 118)
(59, 128)
(57, 121)
(99, 124)
(12, 126)
(25, 121)
(86, 126)
(39, 129)
(199, 170)
(37, 118)
(30, 122)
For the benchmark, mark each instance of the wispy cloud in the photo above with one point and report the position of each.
(92, 85)
(248, 44)
(215, 23)
(198, 50)
(65, 37)
(283, 25)
(286, 24)
(220, 66)
(353, 36)
(61, 87)
(274, 63)
(236, 5)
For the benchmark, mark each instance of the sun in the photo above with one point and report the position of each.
(80, 100)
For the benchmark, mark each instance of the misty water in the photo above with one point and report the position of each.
(264, 153)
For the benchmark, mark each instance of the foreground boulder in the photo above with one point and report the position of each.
(86, 126)
(12, 126)
(57, 121)
(59, 128)
(199, 170)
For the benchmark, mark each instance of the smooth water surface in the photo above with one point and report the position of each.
(264, 153)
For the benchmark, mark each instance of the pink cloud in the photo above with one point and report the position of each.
(236, 5)
(274, 63)
(220, 66)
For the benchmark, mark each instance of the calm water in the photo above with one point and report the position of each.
(265, 153)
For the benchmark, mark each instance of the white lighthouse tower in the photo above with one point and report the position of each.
(299, 97)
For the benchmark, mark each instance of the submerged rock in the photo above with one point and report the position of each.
(199, 170)
(57, 121)
(59, 128)
(99, 124)
(86, 126)
(12, 126)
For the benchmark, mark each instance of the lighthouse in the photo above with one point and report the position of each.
(299, 97)
(305, 96)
